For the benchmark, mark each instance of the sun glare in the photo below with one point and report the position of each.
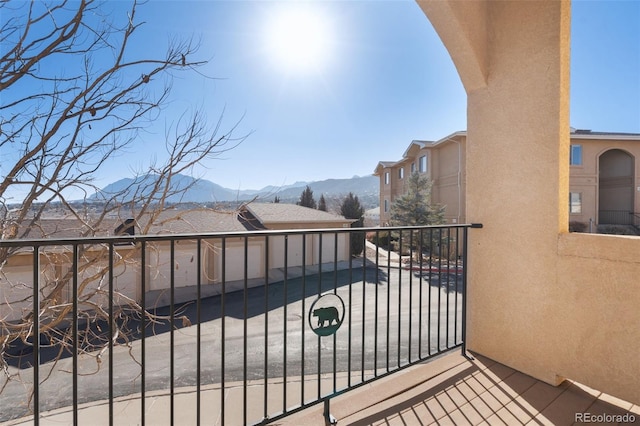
(298, 40)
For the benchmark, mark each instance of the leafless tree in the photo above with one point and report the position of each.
(74, 95)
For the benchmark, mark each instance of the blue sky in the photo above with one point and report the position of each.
(380, 78)
(383, 80)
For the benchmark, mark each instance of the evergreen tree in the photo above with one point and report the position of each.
(276, 200)
(414, 208)
(322, 204)
(351, 209)
(306, 199)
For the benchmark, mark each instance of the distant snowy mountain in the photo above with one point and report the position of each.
(360, 186)
(184, 189)
(190, 190)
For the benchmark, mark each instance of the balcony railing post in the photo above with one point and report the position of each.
(112, 323)
(266, 327)
(245, 325)
(172, 313)
(74, 331)
(198, 328)
(329, 420)
(465, 265)
(36, 335)
(465, 269)
(143, 329)
(223, 312)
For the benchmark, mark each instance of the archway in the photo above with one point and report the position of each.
(615, 187)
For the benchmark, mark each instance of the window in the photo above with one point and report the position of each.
(386, 206)
(575, 202)
(413, 168)
(423, 164)
(401, 173)
(387, 178)
(575, 157)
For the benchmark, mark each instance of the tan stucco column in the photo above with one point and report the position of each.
(513, 58)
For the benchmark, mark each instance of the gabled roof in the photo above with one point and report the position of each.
(198, 220)
(252, 217)
(418, 145)
(272, 213)
(383, 165)
(415, 145)
(65, 227)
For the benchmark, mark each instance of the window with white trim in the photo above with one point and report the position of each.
(423, 164)
(575, 202)
(401, 173)
(575, 156)
(387, 178)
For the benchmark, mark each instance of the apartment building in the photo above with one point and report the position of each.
(604, 177)
(444, 163)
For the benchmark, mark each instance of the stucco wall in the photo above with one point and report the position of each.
(598, 309)
(185, 271)
(16, 287)
(548, 303)
(16, 280)
(448, 184)
(584, 178)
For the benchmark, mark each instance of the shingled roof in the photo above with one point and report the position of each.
(65, 227)
(201, 220)
(251, 217)
(279, 213)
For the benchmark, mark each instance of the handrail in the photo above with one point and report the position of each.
(116, 239)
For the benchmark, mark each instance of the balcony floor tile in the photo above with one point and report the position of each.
(475, 392)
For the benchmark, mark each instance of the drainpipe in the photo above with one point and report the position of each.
(459, 178)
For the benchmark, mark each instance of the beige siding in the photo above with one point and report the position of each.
(445, 168)
(586, 178)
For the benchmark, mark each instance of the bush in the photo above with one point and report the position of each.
(381, 239)
(616, 230)
(575, 226)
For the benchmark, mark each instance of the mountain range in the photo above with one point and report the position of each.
(187, 189)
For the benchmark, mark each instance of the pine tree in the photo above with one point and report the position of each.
(276, 200)
(322, 204)
(306, 198)
(351, 209)
(414, 208)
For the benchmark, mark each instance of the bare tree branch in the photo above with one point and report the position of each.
(63, 125)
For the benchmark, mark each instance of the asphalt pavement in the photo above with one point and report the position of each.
(265, 335)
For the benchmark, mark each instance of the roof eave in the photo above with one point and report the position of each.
(629, 137)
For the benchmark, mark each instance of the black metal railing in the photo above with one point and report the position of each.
(615, 217)
(236, 328)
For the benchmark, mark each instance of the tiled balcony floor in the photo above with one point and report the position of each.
(455, 391)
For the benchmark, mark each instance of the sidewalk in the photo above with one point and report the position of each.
(384, 256)
(448, 390)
